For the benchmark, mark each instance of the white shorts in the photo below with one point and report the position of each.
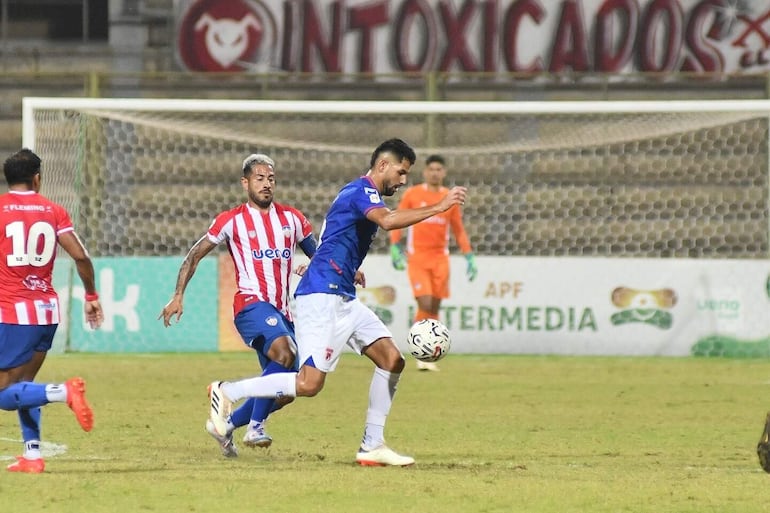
(325, 323)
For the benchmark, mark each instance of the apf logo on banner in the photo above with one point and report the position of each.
(559, 36)
(232, 35)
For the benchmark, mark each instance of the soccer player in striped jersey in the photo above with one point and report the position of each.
(30, 227)
(328, 314)
(261, 236)
(427, 245)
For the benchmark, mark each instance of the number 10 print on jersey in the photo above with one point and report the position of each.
(30, 224)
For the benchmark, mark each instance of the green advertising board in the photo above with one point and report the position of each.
(132, 292)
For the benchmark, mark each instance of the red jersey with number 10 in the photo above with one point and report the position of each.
(29, 228)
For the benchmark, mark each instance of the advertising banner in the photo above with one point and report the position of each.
(132, 292)
(516, 305)
(229, 339)
(591, 306)
(557, 36)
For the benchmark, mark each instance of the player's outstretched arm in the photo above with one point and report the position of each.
(401, 218)
(175, 306)
(74, 247)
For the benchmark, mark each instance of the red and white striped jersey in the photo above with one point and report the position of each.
(262, 248)
(30, 225)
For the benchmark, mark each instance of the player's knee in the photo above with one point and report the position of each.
(308, 391)
(399, 363)
(393, 362)
(285, 359)
(282, 352)
(309, 388)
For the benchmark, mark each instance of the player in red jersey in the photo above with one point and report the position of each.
(427, 245)
(261, 236)
(30, 227)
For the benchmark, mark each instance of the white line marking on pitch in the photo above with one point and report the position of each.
(48, 449)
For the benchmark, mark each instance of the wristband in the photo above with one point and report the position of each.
(92, 297)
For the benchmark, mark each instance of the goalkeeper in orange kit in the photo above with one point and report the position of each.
(427, 245)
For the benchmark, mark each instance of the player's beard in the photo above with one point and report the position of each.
(389, 190)
(262, 200)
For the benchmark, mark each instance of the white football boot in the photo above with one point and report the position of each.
(256, 436)
(226, 444)
(221, 408)
(427, 366)
(382, 456)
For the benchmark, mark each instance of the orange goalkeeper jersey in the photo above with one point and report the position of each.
(431, 236)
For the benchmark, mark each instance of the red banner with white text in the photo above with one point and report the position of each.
(554, 36)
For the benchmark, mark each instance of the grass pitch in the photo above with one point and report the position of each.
(489, 433)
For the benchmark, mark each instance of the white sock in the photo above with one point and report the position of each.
(255, 424)
(32, 450)
(56, 393)
(381, 392)
(273, 385)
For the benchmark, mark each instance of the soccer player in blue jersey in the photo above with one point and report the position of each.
(328, 314)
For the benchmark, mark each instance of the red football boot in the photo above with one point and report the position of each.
(29, 466)
(76, 400)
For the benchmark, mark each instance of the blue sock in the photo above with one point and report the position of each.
(29, 418)
(24, 394)
(240, 416)
(260, 410)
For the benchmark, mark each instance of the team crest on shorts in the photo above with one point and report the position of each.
(272, 321)
(329, 353)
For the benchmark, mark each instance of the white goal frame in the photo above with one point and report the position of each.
(30, 104)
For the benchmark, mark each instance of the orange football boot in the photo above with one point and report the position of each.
(29, 466)
(76, 400)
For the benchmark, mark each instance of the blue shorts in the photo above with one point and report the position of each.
(259, 324)
(19, 341)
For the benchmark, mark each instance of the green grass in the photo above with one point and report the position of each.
(490, 434)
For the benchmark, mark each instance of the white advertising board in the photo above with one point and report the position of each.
(590, 306)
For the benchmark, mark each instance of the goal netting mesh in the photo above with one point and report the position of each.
(668, 179)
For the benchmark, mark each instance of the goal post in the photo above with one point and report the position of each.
(647, 179)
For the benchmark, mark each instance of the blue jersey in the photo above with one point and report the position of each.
(346, 236)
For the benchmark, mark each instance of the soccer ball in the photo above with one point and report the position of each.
(428, 340)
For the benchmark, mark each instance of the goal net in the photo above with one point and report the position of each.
(641, 179)
(144, 177)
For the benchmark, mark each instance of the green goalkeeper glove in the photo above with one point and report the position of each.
(397, 257)
(472, 270)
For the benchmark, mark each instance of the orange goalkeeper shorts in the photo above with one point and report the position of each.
(429, 275)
